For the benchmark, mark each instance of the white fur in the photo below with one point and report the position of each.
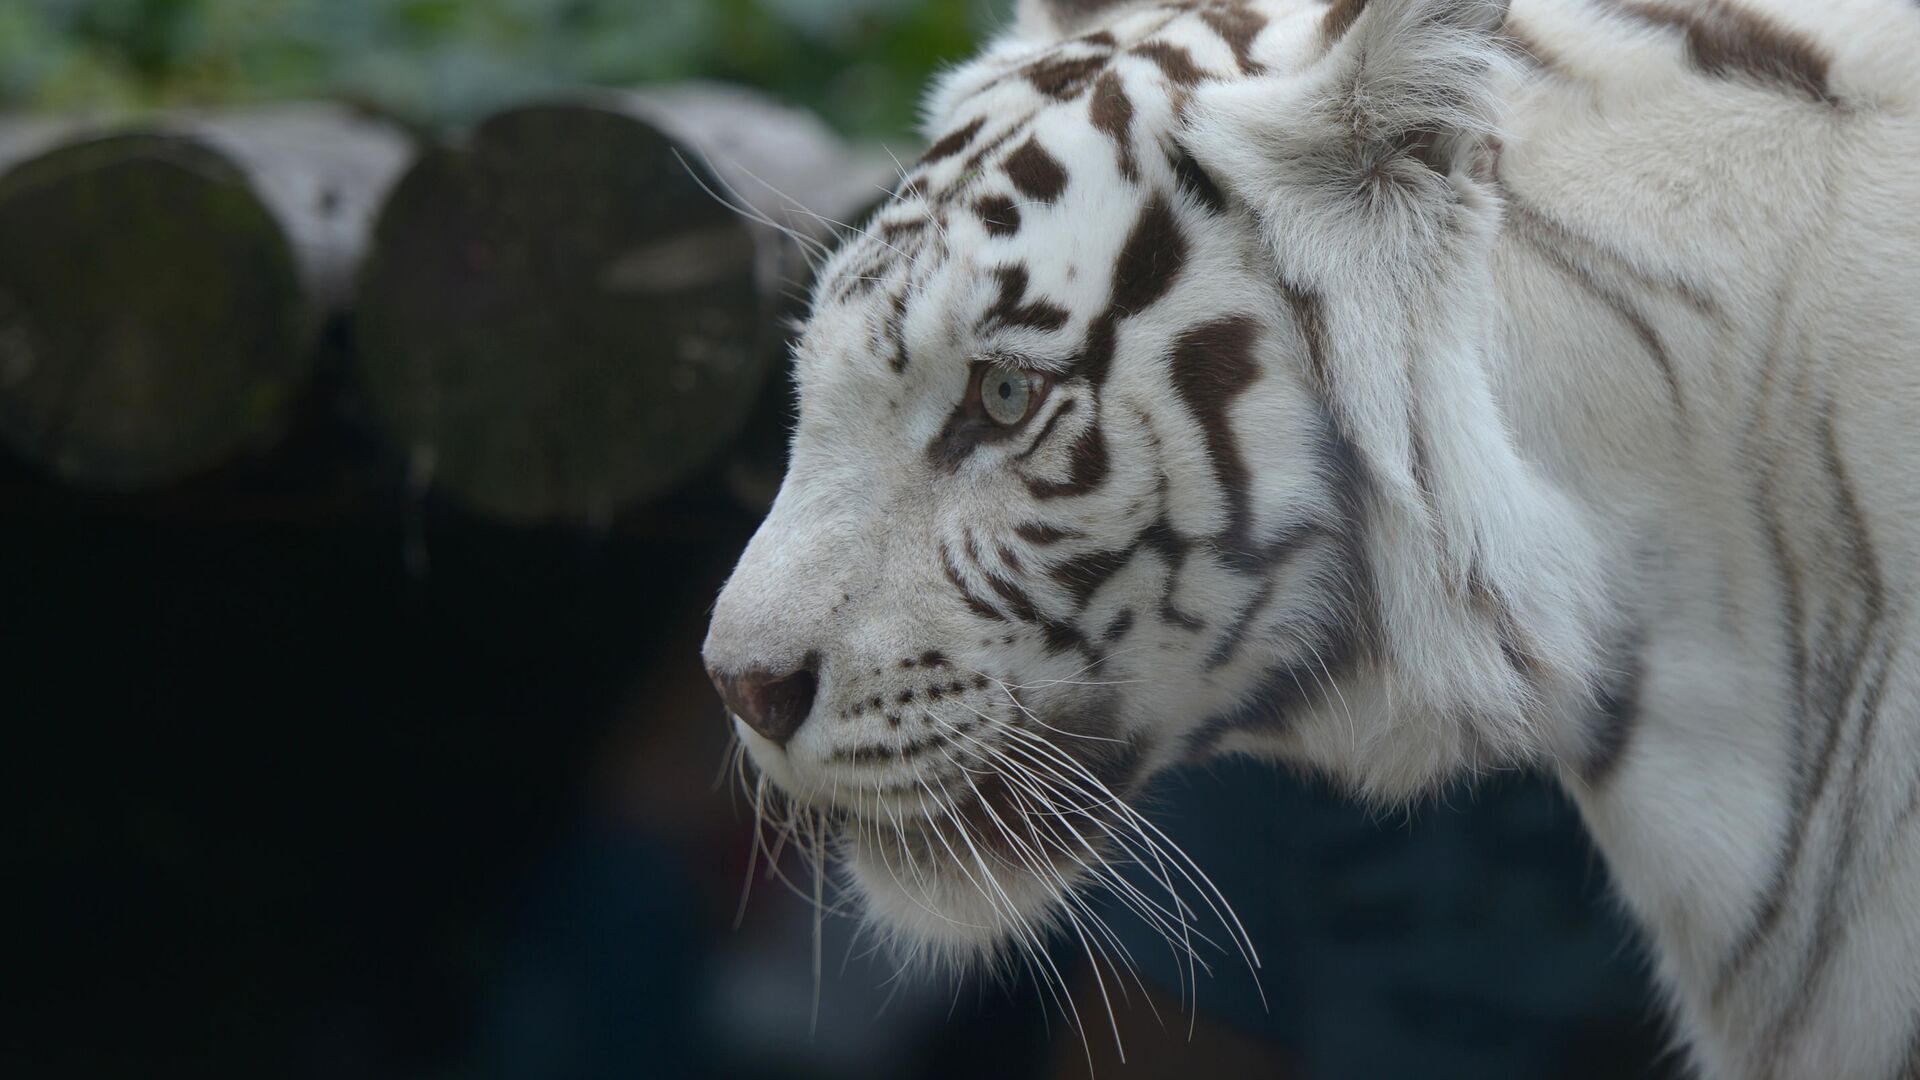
(1546, 503)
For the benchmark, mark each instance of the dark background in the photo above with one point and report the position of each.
(315, 775)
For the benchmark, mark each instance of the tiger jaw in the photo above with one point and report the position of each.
(979, 849)
(964, 879)
(975, 830)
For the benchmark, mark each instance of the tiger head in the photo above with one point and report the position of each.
(1148, 421)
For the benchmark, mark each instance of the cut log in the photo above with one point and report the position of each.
(562, 318)
(161, 289)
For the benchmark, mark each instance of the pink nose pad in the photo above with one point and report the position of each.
(775, 705)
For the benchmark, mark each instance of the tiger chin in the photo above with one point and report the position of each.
(1398, 390)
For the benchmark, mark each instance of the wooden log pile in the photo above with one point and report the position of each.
(161, 288)
(572, 310)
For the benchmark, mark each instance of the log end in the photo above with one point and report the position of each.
(152, 320)
(559, 318)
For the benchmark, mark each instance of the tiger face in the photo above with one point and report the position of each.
(1058, 501)
(1071, 498)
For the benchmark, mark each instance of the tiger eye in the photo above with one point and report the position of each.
(1006, 393)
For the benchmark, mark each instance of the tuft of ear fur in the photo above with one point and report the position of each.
(1054, 20)
(1486, 579)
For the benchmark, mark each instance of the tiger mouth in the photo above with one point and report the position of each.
(993, 818)
(979, 852)
(989, 875)
(952, 733)
(987, 775)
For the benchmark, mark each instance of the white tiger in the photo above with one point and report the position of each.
(1402, 389)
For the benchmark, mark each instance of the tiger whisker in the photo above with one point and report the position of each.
(1036, 863)
(1023, 934)
(1182, 863)
(1161, 920)
(1011, 912)
(900, 196)
(1148, 908)
(816, 252)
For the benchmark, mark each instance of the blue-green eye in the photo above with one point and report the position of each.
(1007, 393)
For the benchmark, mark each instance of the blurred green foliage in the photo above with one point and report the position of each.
(861, 63)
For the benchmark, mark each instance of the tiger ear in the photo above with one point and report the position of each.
(1360, 173)
(1400, 93)
(1055, 20)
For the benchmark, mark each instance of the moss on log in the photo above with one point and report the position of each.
(160, 290)
(560, 319)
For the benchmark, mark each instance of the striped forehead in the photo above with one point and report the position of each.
(1051, 158)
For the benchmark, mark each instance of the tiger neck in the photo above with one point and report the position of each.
(1635, 376)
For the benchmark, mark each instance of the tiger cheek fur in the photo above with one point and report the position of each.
(1316, 381)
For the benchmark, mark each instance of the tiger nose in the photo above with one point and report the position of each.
(775, 705)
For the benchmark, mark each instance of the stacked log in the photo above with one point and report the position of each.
(580, 305)
(161, 289)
